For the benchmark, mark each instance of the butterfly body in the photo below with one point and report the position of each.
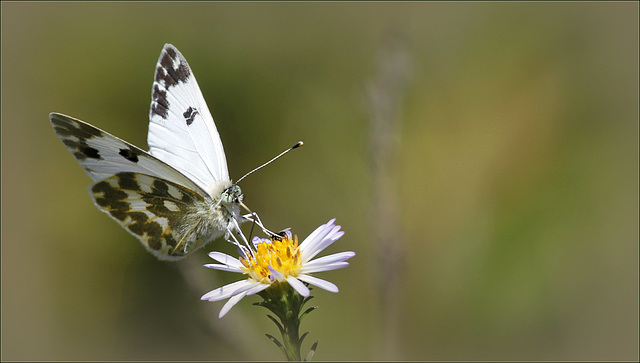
(178, 196)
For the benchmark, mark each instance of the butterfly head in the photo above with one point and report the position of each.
(232, 194)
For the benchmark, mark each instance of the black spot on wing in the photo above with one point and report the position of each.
(160, 188)
(127, 181)
(111, 199)
(189, 115)
(90, 152)
(181, 72)
(129, 154)
(81, 150)
(66, 127)
(163, 77)
(159, 103)
(172, 68)
(141, 226)
(75, 135)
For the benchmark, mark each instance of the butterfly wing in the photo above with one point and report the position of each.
(102, 155)
(170, 220)
(182, 132)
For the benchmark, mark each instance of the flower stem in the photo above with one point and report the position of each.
(282, 300)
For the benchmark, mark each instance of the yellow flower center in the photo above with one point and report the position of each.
(282, 254)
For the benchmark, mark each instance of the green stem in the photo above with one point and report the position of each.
(292, 339)
(282, 300)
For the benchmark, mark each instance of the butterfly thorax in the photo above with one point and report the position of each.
(222, 207)
(216, 216)
(203, 222)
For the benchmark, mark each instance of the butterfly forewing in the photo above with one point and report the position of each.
(181, 130)
(102, 155)
(170, 220)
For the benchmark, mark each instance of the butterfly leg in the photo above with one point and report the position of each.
(242, 250)
(230, 233)
(253, 217)
(182, 244)
(231, 238)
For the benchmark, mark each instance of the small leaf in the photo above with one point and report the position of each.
(276, 342)
(307, 312)
(268, 306)
(307, 299)
(302, 337)
(280, 327)
(311, 351)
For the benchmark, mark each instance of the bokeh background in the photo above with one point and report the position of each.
(481, 157)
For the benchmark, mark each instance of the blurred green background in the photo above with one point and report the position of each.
(493, 208)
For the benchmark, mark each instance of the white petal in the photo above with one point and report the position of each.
(336, 257)
(216, 266)
(314, 248)
(225, 291)
(298, 286)
(311, 267)
(319, 233)
(322, 241)
(323, 284)
(225, 259)
(257, 288)
(234, 300)
(326, 263)
(276, 274)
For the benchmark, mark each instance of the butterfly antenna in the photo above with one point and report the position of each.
(297, 145)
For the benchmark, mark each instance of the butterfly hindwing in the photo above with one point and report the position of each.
(170, 220)
(182, 132)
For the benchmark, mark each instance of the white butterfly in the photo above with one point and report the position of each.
(176, 197)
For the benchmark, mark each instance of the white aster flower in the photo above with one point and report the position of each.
(277, 260)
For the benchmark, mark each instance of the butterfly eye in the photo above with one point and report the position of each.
(232, 194)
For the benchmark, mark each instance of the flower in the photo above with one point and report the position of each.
(279, 259)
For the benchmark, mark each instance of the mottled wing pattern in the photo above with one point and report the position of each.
(170, 220)
(102, 155)
(182, 132)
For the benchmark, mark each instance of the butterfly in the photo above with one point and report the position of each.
(176, 197)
